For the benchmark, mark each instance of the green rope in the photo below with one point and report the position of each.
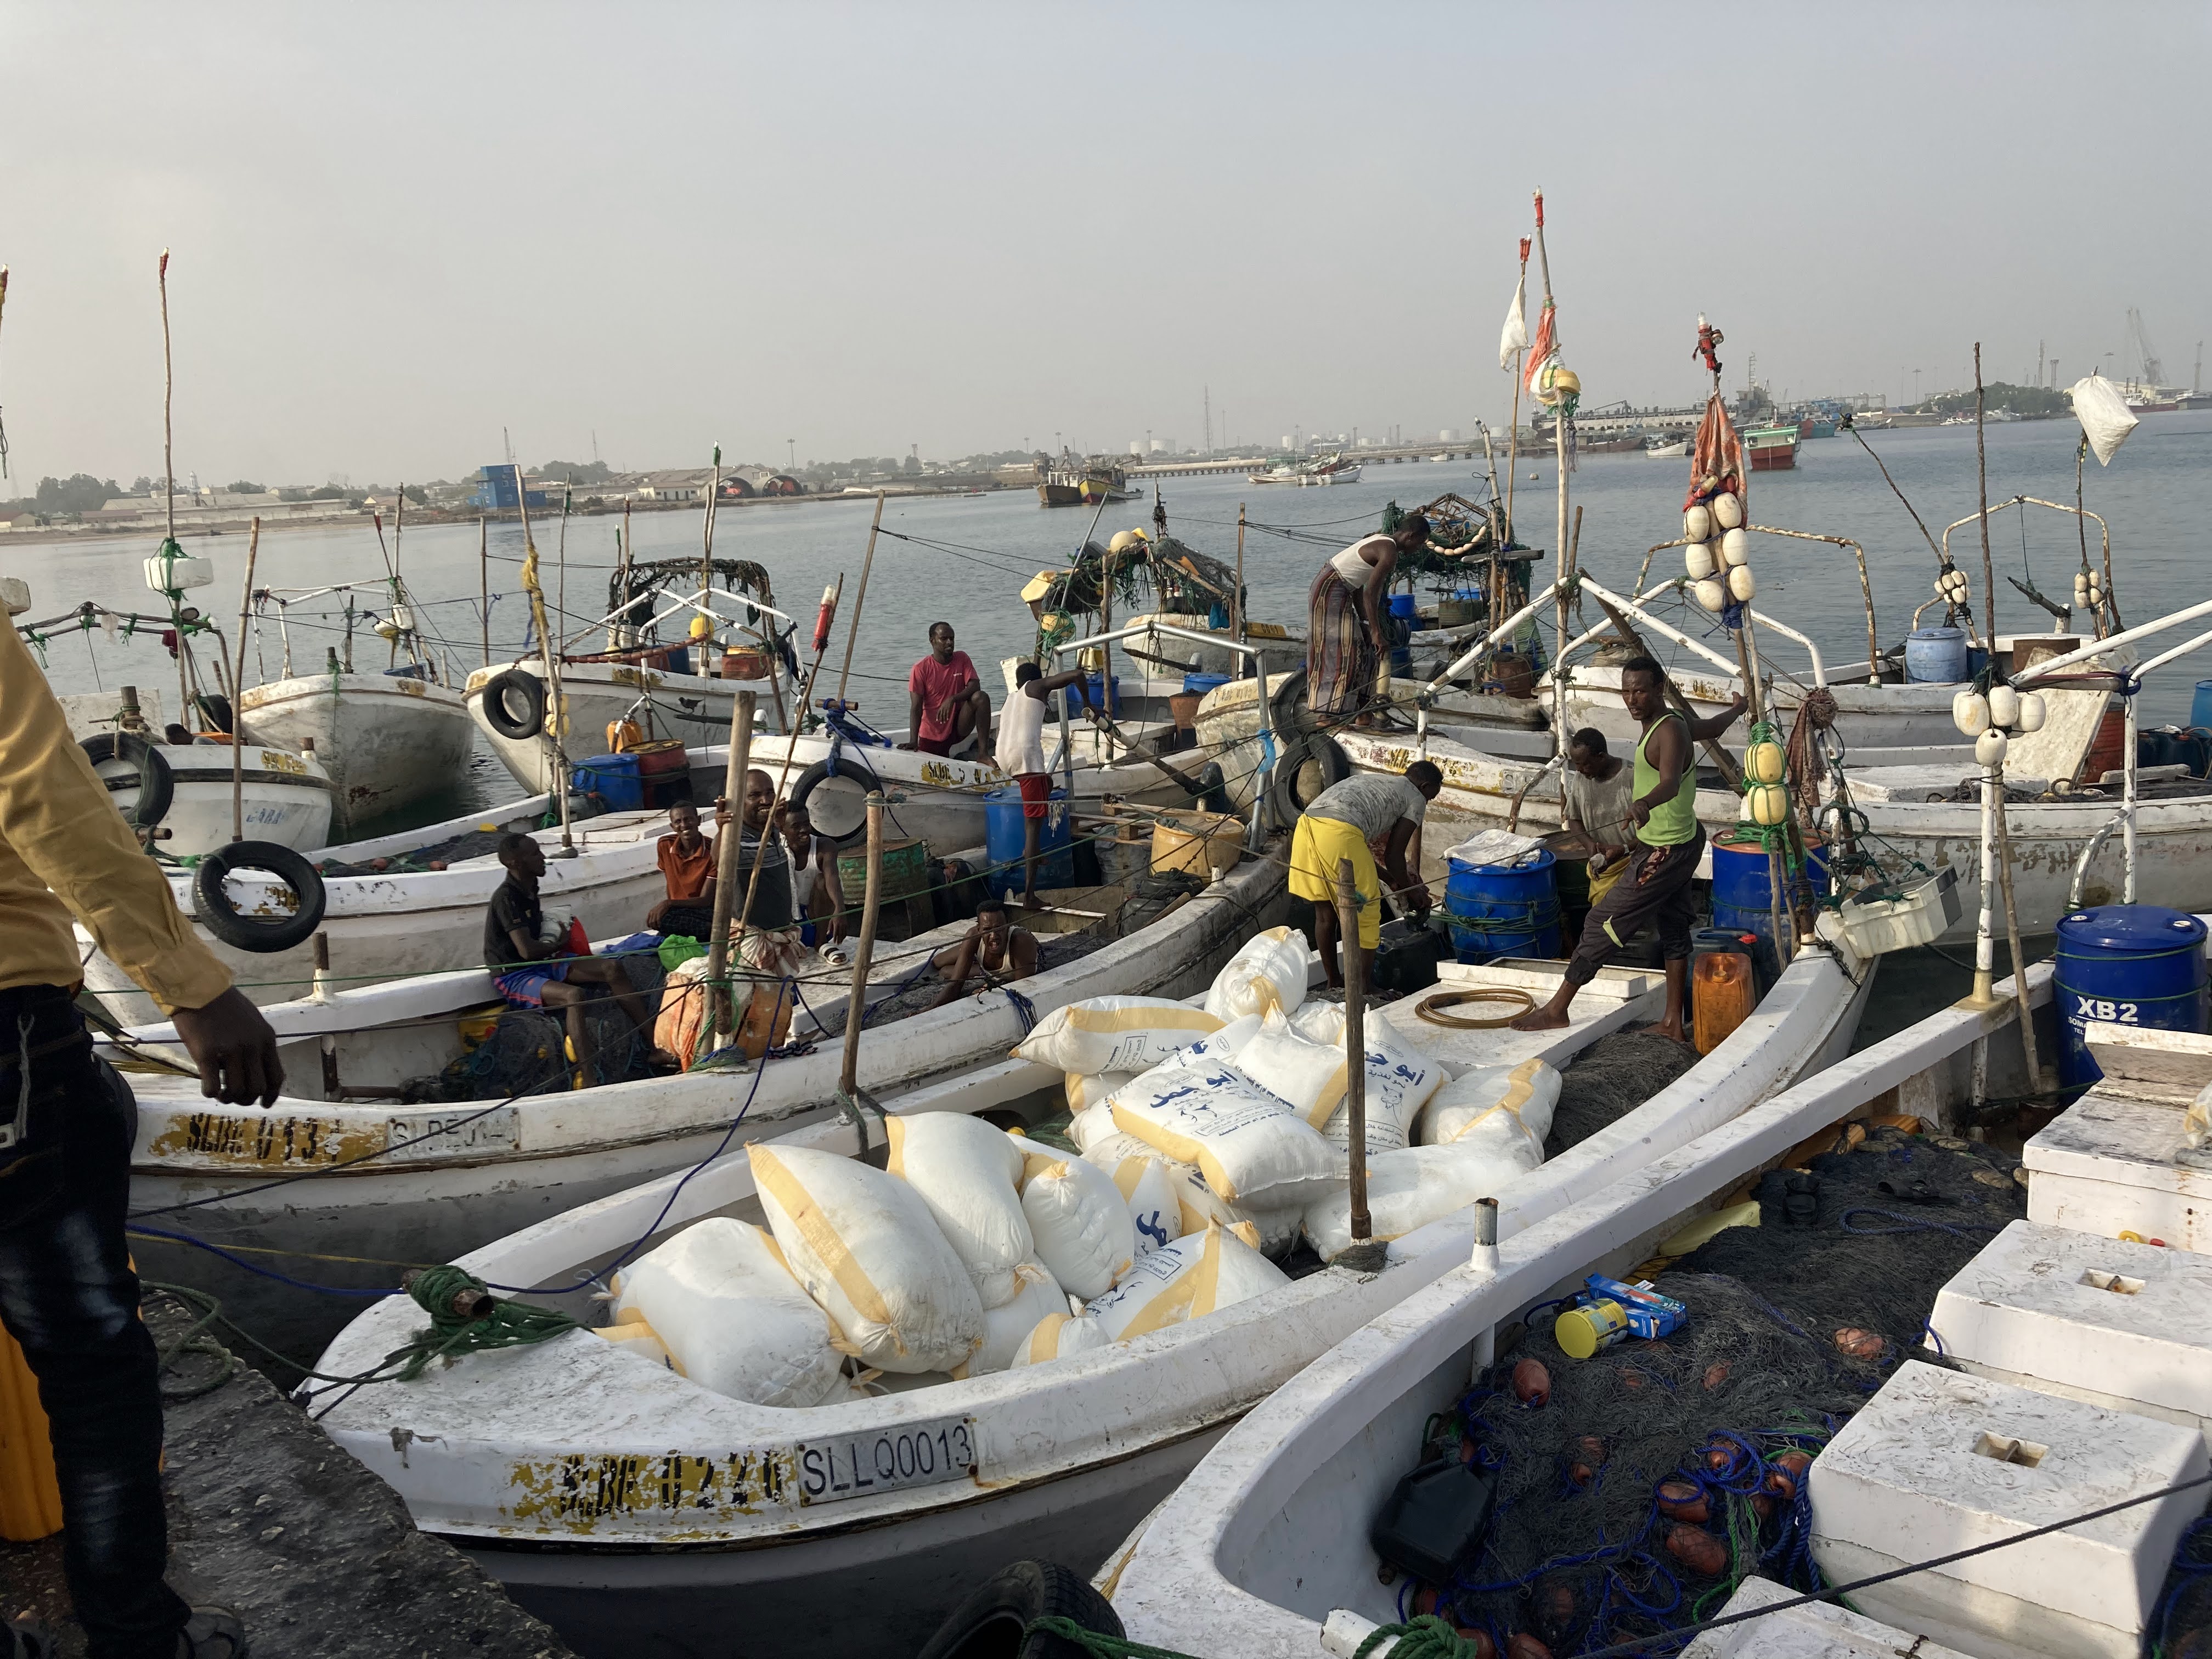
(442, 1292)
(1430, 1636)
(1095, 1641)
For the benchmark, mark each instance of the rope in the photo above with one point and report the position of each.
(1430, 1008)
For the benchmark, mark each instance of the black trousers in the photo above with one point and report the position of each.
(1655, 888)
(68, 1295)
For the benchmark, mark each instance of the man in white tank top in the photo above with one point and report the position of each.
(1021, 755)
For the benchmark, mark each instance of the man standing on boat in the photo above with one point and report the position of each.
(1654, 882)
(1342, 823)
(67, 1123)
(1021, 755)
(945, 699)
(1348, 622)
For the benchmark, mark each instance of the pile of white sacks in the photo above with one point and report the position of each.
(1211, 1138)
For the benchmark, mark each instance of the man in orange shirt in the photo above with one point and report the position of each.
(687, 861)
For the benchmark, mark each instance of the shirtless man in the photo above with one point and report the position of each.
(1002, 950)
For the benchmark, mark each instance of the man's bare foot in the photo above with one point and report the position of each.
(1030, 902)
(1540, 1019)
(1671, 1030)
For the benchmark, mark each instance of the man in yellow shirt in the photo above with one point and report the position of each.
(67, 1123)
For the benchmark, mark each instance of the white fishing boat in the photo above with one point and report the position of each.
(1666, 449)
(1328, 470)
(361, 1170)
(183, 793)
(634, 1509)
(1266, 1544)
(386, 740)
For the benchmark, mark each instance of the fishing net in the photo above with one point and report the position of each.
(1636, 1488)
(526, 1053)
(1612, 1077)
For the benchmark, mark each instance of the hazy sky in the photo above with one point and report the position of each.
(396, 228)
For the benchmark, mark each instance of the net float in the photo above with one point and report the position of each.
(1424, 1599)
(1786, 1472)
(1769, 804)
(2031, 710)
(823, 618)
(1715, 1375)
(2004, 705)
(1727, 509)
(1735, 548)
(1696, 1550)
(1521, 1645)
(1740, 586)
(1532, 1382)
(1711, 593)
(1697, 560)
(1857, 1344)
(1682, 1500)
(1479, 1643)
(1970, 713)
(1697, 524)
(1764, 763)
(1989, 748)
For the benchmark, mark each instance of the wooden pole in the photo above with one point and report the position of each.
(856, 1008)
(483, 586)
(238, 690)
(1982, 491)
(561, 563)
(861, 598)
(752, 887)
(1355, 1050)
(1237, 600)
(625, 557)
(556, 710)
(168, 387)
(719, 1003)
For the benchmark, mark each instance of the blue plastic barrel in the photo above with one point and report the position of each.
(2200, 706)
(1740, 887)
(1202, 683)
(1503, 909)
(614, 779)
(1935, 656)
(1404, 605)
(1098, 694)
(2131, 964)
(1003, 842)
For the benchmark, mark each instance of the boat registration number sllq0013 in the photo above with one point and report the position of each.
(883, 1460)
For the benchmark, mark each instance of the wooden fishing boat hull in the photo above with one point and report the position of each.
(1266, 1537)
(392, 1183)
(1068, 1450)
(1056, 495)
(287, 797)
(689, 706)
(387, 740)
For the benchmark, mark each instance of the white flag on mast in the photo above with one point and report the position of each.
(1515, 334)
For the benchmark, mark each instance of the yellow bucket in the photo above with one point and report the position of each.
(30, 1499)
(1581, 1332)
(1197, 842)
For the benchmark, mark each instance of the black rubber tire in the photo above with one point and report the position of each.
(532, 692)
(989, 1624)
(1305, 768)
(214, 709)
(1286, 707)
(157, 785)
(258, 935)
(848, 767)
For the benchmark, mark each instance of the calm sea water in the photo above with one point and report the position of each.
(965, 558)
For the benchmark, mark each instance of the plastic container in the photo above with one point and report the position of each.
(2200, 706)
(1434, 1521)
(1098, 697)
(905, 869)
(1582, 1332)
(746, 663)
(1503, 911)
(2131, 964)
(1740, 888)
(1722, 997)
(1766, 968)
(1935, 656)
(2197, 751)
(1405, 606)
(1004, 841)
(1203, 683)
(1197, 843)
(30, 1499)
(614, 779)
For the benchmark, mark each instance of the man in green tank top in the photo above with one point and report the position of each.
(1669, 843)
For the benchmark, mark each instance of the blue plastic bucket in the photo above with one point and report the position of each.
(2200, 706)
(2131, 964)
(1508, 910)
(1202, 683)
(1003, 842)
(1935, 656)
(1740, 887)
(614, 779)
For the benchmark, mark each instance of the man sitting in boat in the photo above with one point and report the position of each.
(1002, 952)
(1600, 791)
(814, 885)
(1021, 755)
(946, 703)
(1654, 884)
(533, 969)
(1344, 819)
(687, 863)
(1347, 622)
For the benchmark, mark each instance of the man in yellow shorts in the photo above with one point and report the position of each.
(1344, 819)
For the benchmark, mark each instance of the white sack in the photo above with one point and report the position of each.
(1086, 1089)
(1512, 1101)
(732, 1318)
(1409, 1189)
(2104, 416)
(1268, 971)
(1240, 1136)
(638, 1338)
(1005, 1328)
(867, 1251)
(1155, 1206)
(1277, 1229)
(1080, 1221)
(1059, 1336)
(1310, 1076)
(1115, 1034)
(1188, 1280)
(966, 1171)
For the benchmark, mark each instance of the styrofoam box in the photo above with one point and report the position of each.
(1817, 1630)
(1939, 1461)
(2113, 1322)
(2106, 1165)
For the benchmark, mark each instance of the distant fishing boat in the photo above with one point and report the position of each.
(1087, 486)
(1666, 448)
(1772, 449)
(1328, 470)
(1817, 425)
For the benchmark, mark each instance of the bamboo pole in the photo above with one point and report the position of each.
(1561, 550)
(856, 1007)
(861, 598)
(720, 1008)
(626, 555)
(483, 586)
(1237, 599)
(238, 690)
(556, 712)
(1982, 490)
(561, 565)
(169, 491)
(1364, 1254)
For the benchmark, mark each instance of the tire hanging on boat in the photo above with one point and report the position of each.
(990, 1623)
(218, 913)
(497, 715)
(157, 785)
(859, 772)
(1307, 766)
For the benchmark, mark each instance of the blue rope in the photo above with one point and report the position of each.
(1906, 1224)
(253, 1267)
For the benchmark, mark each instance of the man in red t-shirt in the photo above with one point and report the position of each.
(945, 701)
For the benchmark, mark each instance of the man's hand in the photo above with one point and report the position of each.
(235, 1049)
(1636, 817)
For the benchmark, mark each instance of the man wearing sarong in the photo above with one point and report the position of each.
(1655, 881)
(1347, 622)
